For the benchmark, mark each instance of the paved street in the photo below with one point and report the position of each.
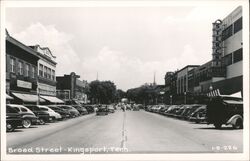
(132, 132)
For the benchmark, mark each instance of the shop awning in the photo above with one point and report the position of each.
(28, 97)
(52, 99)
(237, 94)
(9, 97)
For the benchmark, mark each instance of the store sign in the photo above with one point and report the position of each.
(24, 84)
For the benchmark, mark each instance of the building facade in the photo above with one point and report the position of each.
(183, 75)
(21, 72)
(225, 71)
(46, 68)
(232, 44)
(71, 88)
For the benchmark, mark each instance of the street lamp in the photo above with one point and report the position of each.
(170, 99)
(162, 93)
(210, 89)
(185, 98)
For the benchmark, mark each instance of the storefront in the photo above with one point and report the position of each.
(21, 75)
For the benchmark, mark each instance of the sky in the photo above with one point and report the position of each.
(126, 45)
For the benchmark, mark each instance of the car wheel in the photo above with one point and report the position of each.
(41, 122)
(217, 125)
(9, 127)
(26, 123)
(238, 124)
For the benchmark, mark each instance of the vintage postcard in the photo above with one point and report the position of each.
(125, 80)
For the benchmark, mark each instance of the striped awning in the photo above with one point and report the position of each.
(52, 99)
(28, 97)
(214, 93)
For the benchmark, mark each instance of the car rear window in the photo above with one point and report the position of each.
(11, 110)
(24, 110)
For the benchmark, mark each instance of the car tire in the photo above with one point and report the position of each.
(26, 123)
(217, 125)
(9, 127)
(238, 124)
(41, 121)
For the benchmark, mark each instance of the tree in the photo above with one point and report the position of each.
(103, 92)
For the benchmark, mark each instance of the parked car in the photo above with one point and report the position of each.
(54, 115)
(171, 110)
(28, 117)
(102, 110)
(136, 107)
(73, 112)
(163, 109)
(150, 108)
(111, 109)
(199, 115)
(188, 111)
(13, 119)
(177, 113)
(89, 108)
(43, 116)
(64, 113)
(225, 110)
(157, 108)
(82, 110)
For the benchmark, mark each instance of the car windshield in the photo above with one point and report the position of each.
(44, 109)
(33, 108)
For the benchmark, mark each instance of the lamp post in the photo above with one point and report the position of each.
(210, 89)
(162, 93)
(170, 99)
(185, 98)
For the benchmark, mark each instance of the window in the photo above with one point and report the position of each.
(238, 25)
(33, 72)
(227, 32)
(53, 75)
(27, 70)
(45, 72)
(11, 110)
(40, 70)
(20, 68)
(49, 73)
(17, 109)
(237, 55)
(12, 65)
(24, 110)
(228, 59)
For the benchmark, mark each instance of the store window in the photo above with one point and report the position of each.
(12, 65)
(20, 68)
(40, 70)
(237, 55)
(238, 25)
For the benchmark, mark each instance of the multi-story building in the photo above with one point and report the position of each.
(46, 82)
(182, 79)
(21, 72)
(71, 88)
(224, 71)
(232, 51)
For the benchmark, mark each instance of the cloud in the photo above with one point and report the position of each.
(57, 41)
(128, 72)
